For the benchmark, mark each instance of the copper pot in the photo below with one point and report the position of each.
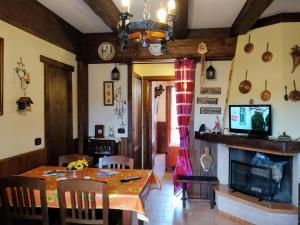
(245, 86)
(295, 94)
(249, 46)
(265, 94)
(267, 56)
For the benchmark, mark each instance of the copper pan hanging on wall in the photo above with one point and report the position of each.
(295, 94)
(265, 94)
(267, 56)
(249, 47)
(245, 86)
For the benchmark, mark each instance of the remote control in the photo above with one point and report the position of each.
(124, 180)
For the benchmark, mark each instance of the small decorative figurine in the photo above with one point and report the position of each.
(217, 127)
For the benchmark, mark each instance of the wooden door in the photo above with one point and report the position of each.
(137, 119)
(58, 110)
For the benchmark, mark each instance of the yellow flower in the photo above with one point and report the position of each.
(78, 165)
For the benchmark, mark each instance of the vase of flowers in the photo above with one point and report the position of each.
(76, 168)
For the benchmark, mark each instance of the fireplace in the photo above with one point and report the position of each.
(262, 181)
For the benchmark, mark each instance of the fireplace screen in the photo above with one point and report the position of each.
(251, 179)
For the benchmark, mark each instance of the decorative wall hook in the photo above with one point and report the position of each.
(296, 56)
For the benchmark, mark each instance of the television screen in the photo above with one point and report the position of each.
(252, 119)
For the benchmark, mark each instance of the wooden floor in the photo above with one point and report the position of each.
(166, 209)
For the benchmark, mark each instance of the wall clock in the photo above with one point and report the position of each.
(99, 131)
(106, 51)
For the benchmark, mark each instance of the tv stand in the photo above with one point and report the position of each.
(288, 148)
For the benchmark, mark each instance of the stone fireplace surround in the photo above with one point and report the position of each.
(249, 212)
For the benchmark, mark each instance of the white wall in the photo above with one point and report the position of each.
(98, 113)
(18, 131)
(281, 37)
(222, 74)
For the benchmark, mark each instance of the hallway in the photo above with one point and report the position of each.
(166, 209)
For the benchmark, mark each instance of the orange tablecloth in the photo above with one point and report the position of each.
(125, 196)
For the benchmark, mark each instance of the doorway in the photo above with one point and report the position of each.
(58, 109)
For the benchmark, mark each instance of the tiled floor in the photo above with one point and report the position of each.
(166, 209)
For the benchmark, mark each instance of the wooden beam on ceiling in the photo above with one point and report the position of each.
(181, 22)
(36, 19)
(279, 18)
(107, 11)
(220, 47)
(249, 14)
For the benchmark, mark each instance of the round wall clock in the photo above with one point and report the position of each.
(106, 51)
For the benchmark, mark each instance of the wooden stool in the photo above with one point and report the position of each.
(199, 179)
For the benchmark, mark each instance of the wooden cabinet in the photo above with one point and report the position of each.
(171, 157)
(100, 147)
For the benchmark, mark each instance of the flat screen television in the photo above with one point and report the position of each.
(255, 120)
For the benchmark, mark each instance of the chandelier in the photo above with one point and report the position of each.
(147, 31)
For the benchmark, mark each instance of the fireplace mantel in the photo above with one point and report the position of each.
(289, 148)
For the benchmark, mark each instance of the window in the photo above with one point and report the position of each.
(174, 129)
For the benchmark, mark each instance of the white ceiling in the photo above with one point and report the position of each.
(202, 13)
(282, 6)
(213, 13)
(78, 14)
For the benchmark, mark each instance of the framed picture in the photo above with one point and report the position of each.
(210, 90)
(1, 74)
(210, 110)
(108, 93)
(206, 100)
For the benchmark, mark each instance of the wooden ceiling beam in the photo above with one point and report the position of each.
(249, 14)
(220, 47)
(36, 19)
(181, 21)
(107, 11)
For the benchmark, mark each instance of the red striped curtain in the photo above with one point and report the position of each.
(184, 86)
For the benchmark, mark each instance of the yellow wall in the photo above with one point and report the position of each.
(18, 131)
(154, 69)
(281, 38)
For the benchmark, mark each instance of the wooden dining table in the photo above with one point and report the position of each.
(130, 197)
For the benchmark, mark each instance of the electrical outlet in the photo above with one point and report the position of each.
(38, 141)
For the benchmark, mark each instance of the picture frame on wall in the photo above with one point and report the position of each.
(206, 100)
(108, 93)
(210, 90)
(210, 110)
(1, 74)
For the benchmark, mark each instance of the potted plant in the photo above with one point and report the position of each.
(76, 166)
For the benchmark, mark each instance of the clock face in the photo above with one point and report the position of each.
(106, 51)
(100, 131)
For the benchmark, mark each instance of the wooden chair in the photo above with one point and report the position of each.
(23, 203)
(116, 162)
(83, 206)
(64, 160)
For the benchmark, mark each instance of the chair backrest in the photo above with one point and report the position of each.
(116, 162)
(64, 160)
(82, 201)
(18, 198)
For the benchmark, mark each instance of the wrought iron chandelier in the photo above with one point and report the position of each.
(147, 31)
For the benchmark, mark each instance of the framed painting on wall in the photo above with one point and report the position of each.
(1, 74)
(108, 93)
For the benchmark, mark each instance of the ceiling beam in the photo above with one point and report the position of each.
(181, 21)
(249, 14)
(36, 19)
(107, 11)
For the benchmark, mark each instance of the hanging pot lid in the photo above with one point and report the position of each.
(295, 94)
(267, 56)
(245, 86)
(249, 47)
(265, 94)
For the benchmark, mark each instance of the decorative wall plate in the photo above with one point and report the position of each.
(155, 49)
(106, 51)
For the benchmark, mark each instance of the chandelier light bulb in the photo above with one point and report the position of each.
(171, 5)
(125, 4)
(162, 15)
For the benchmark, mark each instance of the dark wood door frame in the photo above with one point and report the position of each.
(69, 69)
(147, 106)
